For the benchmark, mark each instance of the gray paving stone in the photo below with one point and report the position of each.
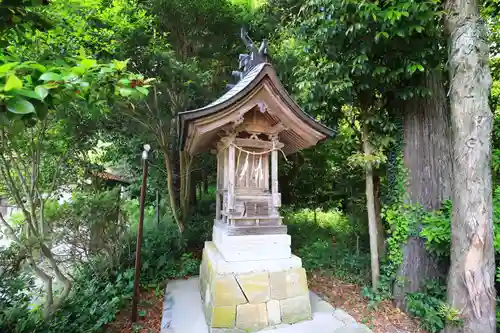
(183, 313)
(353, 328)
(320, 305)
(344, 317)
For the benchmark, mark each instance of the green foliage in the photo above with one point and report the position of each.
(29, 89)
(437, 227)
(324, 241)
(306, 225)
(437, 230)
(428, 305)
(355, 51)
(104, 283)
(100, 292)
(340, 262)
(14, 282)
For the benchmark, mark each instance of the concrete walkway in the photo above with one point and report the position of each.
(183, 313)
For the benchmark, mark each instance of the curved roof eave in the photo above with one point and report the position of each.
(251, 79)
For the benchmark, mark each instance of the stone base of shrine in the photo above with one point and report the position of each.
(245, 248)
(252, 295)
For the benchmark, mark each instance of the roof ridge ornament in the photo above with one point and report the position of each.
(247, 61)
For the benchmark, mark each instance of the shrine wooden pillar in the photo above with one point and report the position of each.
(274, 178)
(218, 201)
(231, 164)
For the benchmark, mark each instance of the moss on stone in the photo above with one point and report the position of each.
(294, 310)
(224, 317)
(255, 287)
(227, 292)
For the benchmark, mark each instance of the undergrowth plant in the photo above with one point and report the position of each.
(325, 241)
(103, 285)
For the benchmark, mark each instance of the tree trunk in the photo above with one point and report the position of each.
(471, 277)
(372, 217)
(427, 157)
(378, 211)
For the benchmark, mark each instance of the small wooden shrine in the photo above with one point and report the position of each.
(249, 278)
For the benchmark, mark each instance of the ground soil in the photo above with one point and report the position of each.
(150, 310)
(384, 318)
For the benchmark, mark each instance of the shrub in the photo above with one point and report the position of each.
(14, 283)
(104, 282)
(306, 226)
(342, 263)
(426, 306)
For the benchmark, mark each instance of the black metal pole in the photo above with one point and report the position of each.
(135, 297)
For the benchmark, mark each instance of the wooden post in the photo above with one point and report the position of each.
(231, 175)
(274, 181)
(135, 296)
(218, 189)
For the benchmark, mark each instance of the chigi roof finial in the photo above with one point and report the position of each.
(249, 60)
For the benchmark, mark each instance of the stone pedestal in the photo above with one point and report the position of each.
(250, 295)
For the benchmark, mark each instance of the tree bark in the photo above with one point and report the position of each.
(378, 211)
(427, 157)
(471, 276)
(372, 217)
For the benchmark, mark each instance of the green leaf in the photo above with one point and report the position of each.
(120, 65)
(143, 90)
(20, 106)
(27, 93)
(88, 63)
(50, 76)
(33, 65)
(125, 92)
(78, 70)
(13, 82)
(7, 67)
(41, 91)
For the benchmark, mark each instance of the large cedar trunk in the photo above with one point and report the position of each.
(471, 276)
(427, 157)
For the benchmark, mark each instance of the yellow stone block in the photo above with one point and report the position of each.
(251, 317)
(294, 310)
(226, 291)
(256, 287)
(296, 283)
(278, 285)
(224, 317)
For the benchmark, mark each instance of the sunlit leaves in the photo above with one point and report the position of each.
(25, 88)
(13, 82)
(50, 76)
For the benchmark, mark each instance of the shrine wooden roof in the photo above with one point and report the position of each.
(260, 88)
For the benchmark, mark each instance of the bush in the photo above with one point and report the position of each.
(14, 283)
(324, 241)
(426, 306)
(306, 226)
(104, 283)
(342, 263)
